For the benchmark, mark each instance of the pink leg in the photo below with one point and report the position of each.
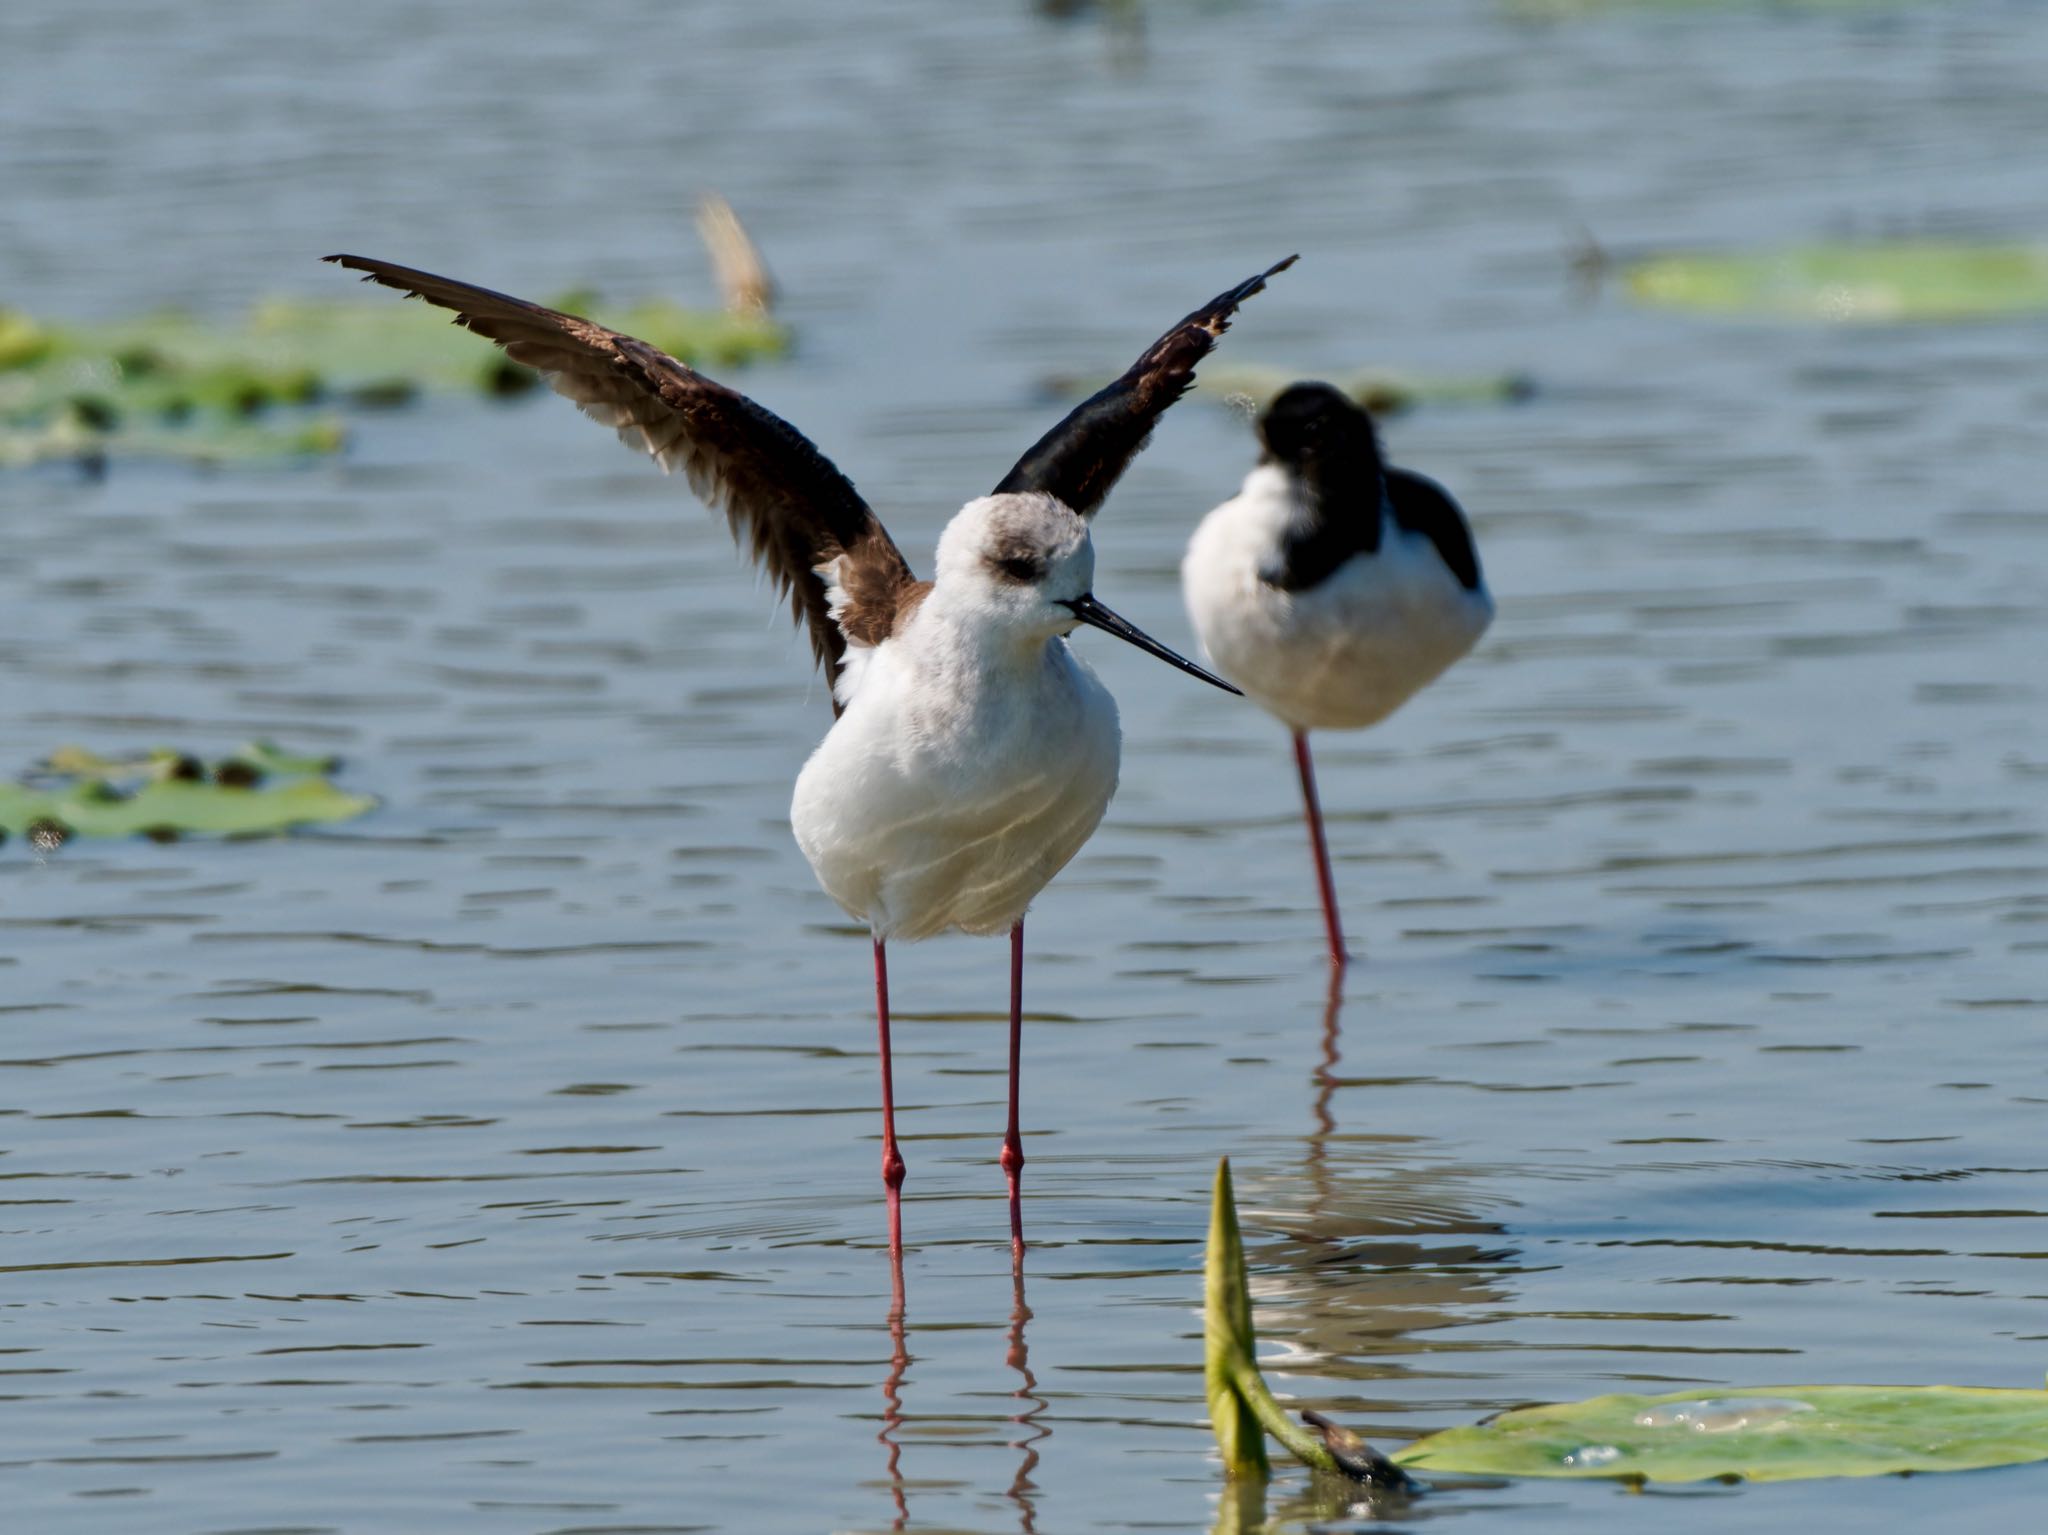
(1013, 1144)
(892, 1159)
(1338, 958)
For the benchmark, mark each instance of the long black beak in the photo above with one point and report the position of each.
(1094, 614)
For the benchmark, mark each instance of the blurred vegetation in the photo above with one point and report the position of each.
(171, 385)
(164, 794)
(1382, 391)
(1845, 283)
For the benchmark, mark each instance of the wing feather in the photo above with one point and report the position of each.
(1079, 460)
(795, 514)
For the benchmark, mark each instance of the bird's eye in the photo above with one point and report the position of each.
(1022, 569)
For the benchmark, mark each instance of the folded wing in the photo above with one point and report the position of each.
(796, 514)
(1080, 459)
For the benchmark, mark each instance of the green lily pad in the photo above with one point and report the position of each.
(93, 810)
(166, 793)
(1761, 1434)
(1850, 284)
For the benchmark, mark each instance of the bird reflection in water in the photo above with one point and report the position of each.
(1325, 1079)
(1371, 1246)
(1023, 1491)
(893, 1400)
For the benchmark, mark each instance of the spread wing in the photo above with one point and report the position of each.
(783, 499)
(1080, 459)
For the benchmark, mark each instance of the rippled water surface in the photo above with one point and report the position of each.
(505, 1161)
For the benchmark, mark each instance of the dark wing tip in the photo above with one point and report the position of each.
(1219, 310)
(1081, 458)
(389, 273)
(1274, 270)
(368, 266)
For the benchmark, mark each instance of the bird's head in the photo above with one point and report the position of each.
(1315, 428)
(1023, 564)
(1018, 559)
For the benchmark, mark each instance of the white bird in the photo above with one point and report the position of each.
(1333, 587)
(973, 753)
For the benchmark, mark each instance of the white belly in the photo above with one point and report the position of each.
(923, 811)
(1338, 656)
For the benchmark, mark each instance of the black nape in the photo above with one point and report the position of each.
(1329, 446)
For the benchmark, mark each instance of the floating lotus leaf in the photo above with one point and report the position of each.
(1850, 284)
(1761, 1434)
(168, 793)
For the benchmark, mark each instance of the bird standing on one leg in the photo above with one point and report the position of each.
(972, 753)
(1333, 587)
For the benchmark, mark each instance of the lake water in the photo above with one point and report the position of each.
(505, 1162)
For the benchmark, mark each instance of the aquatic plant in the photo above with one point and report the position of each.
(1241, 1410)
(172, 385)
(1845, 283)
(1759, 1434)
(166, 794)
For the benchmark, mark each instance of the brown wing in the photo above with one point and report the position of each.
(782, 498)
(1080, 459)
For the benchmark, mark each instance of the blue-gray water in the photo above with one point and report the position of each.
(506, 1162)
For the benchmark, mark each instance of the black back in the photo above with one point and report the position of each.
(1423, 506)
(1329, 445)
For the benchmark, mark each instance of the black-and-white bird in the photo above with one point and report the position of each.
(1332, 587)
(972, 752)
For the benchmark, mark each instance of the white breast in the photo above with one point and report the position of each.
(1341, 655)
(955, 786)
